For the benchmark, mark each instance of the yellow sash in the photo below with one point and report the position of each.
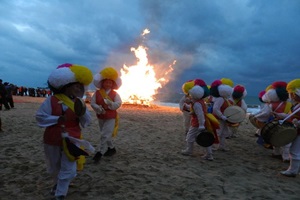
(105, 96)
(67, 101)
(81, 159)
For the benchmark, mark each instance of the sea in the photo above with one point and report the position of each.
(172, 100)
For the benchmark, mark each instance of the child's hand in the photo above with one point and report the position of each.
(224, 118)
(296, 122)
(108, 102)
(201, 128)
(61, 119)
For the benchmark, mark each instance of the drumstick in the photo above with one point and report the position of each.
(289, 116)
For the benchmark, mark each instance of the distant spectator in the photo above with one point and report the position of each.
(3, 94)
(9, 96)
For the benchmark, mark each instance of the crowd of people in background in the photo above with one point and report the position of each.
(7, 90)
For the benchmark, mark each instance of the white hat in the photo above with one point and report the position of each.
(107, 73)
(196, 92)
(69, 73)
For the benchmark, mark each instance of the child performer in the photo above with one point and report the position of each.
(277, 96)
(238, 95)
(261, 117)
(293, 89)
(67, 82)
(185, 105)
(221, 93)
(105, 102)
(200, 119)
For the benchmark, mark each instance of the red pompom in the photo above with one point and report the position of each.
(216, 83)
(239, 89)
(279, 84)
(199, 82)
(261, 94)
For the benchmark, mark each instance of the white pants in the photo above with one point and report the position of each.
(295, 149)
(106, 129)
(223, 132)
(186, 120)
(59, 166)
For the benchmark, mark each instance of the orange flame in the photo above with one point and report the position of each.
(139, 82)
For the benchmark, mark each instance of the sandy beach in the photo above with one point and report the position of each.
(148, 163)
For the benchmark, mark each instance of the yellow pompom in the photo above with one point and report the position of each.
(187, 86)
(293, 85)
(109, 73)
(268, 88)
(227, 81)
(208, 86)
(82, 74)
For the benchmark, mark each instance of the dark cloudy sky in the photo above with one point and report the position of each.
(252, 42)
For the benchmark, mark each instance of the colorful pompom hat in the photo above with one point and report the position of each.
(239, 91)
(202, 84)
(227, 81)
(294, 87)
(276, 92)
(187, 86)
(69, 73)
(107, 73)
(220, 89)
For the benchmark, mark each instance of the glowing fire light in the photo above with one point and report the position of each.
(139, 82)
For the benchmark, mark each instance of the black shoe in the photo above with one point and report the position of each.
(52, 192)
(110, 152)
(97, 157)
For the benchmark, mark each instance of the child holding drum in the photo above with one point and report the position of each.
(293, 88)
(221, 93)
(200, 119)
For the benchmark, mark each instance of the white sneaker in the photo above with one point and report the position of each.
(208, 157)
(288, 173)
(186, 152)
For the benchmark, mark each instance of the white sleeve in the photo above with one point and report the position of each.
(181, 103)
(217, 106)
(43, 115)
(86, 119)
(244, 105)
(199, 112)
(116, 103)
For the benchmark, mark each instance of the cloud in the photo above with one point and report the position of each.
(252, 42)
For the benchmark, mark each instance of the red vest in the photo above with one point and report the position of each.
(109, 114)
(238, 102)
(276, 107)
(194, 119)
(52, 134)
(225, 104)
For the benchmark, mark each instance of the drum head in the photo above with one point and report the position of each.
(205, 138)
(283, 135)
(79, 107)
(234, 114)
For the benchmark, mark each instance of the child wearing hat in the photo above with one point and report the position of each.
(222, 93)
(238, 95)
(185, 105)
(57, 116)
(200, 119)
(293, 88)
(105, 102)
(277, 97)
(261, 117)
